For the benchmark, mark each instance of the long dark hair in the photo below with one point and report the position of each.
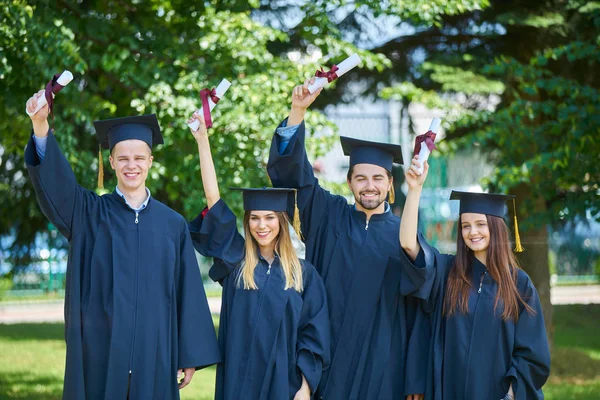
(501, 265)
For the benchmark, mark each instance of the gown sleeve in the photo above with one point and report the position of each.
(419, 339)
(531, 356)
(292, 169)
(214, 234)
(418, 277)
(61, 199)
(197, 340)
(313, 349)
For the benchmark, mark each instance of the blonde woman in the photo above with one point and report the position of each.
(274, 323)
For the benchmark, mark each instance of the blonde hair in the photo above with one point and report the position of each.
(290, 263)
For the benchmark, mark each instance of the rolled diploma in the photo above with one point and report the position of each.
(221, 89)
(343, 67)
(64, 79)
(424, 151)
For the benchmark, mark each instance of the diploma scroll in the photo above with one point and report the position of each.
(63, 80)
(336, 71)
(218, 92)
(426, 142)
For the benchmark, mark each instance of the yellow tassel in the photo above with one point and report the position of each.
(518, 247)
(296, 219)
(392, 196)
(100, 168)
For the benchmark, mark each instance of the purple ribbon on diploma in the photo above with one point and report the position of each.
(204, 95)
(53, 87)
(427, 138)
(330, 75)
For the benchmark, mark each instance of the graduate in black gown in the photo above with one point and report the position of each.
(136, 315)
(274, 324)
(484, 319)
(356, 249)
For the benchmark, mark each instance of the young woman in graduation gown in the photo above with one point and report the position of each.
(274, 322)
(483, 319)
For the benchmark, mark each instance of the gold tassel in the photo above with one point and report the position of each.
(392, 196)
(100, 168)
(296, 219)
(518, 247)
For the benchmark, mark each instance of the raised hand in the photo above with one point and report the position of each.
(40, 118)
(301, 97)
(202, 132)
(414, 178)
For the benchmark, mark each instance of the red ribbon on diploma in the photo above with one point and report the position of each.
(330, 75)
(427, 138)
(204, 95)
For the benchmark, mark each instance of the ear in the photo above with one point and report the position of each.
(112, 162)
(151, 159)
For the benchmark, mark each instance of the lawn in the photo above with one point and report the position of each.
(33, 359)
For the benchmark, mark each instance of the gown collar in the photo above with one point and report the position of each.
(375, 217)
(478, 268)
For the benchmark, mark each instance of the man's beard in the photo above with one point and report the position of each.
(369, 204)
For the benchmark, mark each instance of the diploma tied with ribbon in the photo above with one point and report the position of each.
(424, 144)
(56, 84)
(323, 78)
(209, 98)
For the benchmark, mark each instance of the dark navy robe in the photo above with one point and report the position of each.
(365, 282)
(134, 300)
(267, 336)
(478, 355)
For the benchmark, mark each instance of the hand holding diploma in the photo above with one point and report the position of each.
(209, 98)
(56, 84)
(323, 78)
(424, 143)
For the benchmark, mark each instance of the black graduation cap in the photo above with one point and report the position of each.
(141, 127)
(115, 130)
(365, 152)
(273, 199)
(487, 203)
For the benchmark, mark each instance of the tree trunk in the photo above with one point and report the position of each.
(534, 259)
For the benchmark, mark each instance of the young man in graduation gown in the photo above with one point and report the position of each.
(356, 250)
(136, 315)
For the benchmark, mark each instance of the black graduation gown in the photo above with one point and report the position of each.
(267, 336)
(366, 284)
(134, 298)
(478, 355)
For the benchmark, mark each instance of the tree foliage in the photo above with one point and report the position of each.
(132, 57)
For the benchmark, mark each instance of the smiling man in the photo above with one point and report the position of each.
(356, 249)
(136, 315)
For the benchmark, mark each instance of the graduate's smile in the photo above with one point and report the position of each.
(264, 226)
(369, 184)
(475, 231)
(131, 160)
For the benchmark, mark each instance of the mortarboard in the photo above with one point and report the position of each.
(365, 152)
(490, 204)
(115, 130)
(273, 199)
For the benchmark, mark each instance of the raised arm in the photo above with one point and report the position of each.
(207, 166)
(60, 197)
(410, 214)
(288, 165)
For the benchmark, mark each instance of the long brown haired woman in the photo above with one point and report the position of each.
(488, 339)
(274, 322)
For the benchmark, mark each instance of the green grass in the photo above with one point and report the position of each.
(33, 359)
